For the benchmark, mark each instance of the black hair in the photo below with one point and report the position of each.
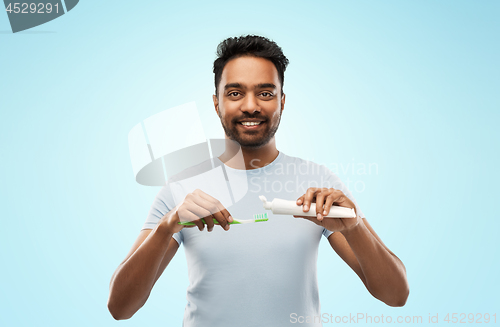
(249, 45)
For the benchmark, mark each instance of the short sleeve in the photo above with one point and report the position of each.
(327, 233)
(162, 204)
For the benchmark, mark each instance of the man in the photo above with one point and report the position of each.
(258, 274)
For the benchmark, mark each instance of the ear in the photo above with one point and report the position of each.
(282, 102)
(216, 104)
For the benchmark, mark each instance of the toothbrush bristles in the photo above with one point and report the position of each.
(260, 217)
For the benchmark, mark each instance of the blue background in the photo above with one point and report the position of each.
(410, 87)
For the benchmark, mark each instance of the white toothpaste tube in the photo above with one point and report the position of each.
(285, 207)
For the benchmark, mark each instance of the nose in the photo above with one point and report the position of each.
(250, 104)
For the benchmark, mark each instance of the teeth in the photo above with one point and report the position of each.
(248, 123)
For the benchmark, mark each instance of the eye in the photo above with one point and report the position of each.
(233, 94)
(266, 94)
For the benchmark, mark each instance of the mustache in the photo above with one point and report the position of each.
(248, 116)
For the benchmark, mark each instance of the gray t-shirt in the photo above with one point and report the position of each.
(254, 274)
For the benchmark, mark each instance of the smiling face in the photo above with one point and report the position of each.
(249, 103)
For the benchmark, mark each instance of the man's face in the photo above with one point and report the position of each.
(250, 102)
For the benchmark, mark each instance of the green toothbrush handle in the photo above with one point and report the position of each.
(189, 223)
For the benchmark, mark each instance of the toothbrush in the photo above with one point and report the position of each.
(256, 218)
(284, 207)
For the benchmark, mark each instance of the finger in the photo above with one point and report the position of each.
(220, 213)
(320, 199)
(186, 215)
(336, 195)
(328, 204)
(212, 209)
(209, 220)
(196, 208)
(308, 197)
(227, 215)
(203, 202)
(343, 201)
(199, 212)
(300, 200)
(199, 223)
(217, 206)
(222, 220)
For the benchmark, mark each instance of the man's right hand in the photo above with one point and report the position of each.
(196, 206)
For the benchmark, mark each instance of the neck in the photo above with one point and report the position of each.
(238, 157)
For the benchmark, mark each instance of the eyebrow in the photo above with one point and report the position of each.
(266, 86)
(258, 86)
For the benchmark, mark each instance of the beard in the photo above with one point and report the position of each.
(250, 139)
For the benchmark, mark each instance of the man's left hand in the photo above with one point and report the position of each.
(324, 199)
